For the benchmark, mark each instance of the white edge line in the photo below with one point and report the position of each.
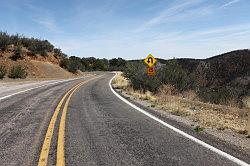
(52, 83)
(221, 153)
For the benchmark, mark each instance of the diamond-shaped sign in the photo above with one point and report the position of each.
(150, 60)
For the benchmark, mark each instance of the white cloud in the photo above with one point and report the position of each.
(44, 17)
(48, 23)
(230, 3)
(203, 43)
(170, 12)
(219, 31)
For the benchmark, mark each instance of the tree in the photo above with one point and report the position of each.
(3, 72)
(18, 54)
(136, 73)
(173, 74)
(118, 64)
(17, 72)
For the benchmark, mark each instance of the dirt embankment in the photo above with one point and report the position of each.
(36, 66)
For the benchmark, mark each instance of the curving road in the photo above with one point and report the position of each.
(98, 129)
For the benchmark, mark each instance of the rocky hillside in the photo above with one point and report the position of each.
(229, 69)
(222, 79)
(232, 67)
(225, 75)
(39, 58)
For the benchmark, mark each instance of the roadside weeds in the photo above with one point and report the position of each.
(206, 115)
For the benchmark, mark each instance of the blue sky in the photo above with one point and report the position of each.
(132, 29)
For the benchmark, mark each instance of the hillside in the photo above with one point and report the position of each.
(223, 68)
(222, 79)
(17, 50)
(36, 67)
(230, 70)
(227, 66)
(39, 58)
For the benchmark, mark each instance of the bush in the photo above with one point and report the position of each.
(3, 72)
(93, 64)
(17, 72)
(18, 54)
(174, 75)
(118, 64)
(219, 95)
(4, 40)
(64, 63)
(170, 74)
(36, 46)
(72, 66)
(136, 73)
(57, 51)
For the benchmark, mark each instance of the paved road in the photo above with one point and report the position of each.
(100, 129)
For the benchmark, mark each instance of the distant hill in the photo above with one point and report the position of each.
(219, 69)
(220, 77)
(225, 73)
(225, 68)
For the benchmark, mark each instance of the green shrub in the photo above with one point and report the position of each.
(64, 63)
(219, 95)
(57, 51)
(4, 40)
(36, 46)
(3, 72)
(136, 72)
(173, 74)
(118, 64)
(72, 66)
(198, 129)
(17, 72)
(18, 54)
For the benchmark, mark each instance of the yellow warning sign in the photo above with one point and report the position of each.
(151, 71)
(150, 60)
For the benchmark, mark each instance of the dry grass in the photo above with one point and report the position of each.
(120, 82)
(248, 123)
(188, 105)
(140, 95)
(207, 115)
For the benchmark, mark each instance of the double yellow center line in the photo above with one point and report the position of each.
(60, 157)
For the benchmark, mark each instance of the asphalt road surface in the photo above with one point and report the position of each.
(82, 122)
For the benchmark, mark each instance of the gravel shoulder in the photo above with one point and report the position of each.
(239, 141)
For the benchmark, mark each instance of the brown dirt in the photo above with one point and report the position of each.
(36, 66)
(50, 70)
(38, 69)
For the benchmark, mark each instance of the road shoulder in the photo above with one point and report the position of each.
(219, 139)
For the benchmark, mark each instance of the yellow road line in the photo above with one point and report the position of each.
(47, 141)
(60, 160)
